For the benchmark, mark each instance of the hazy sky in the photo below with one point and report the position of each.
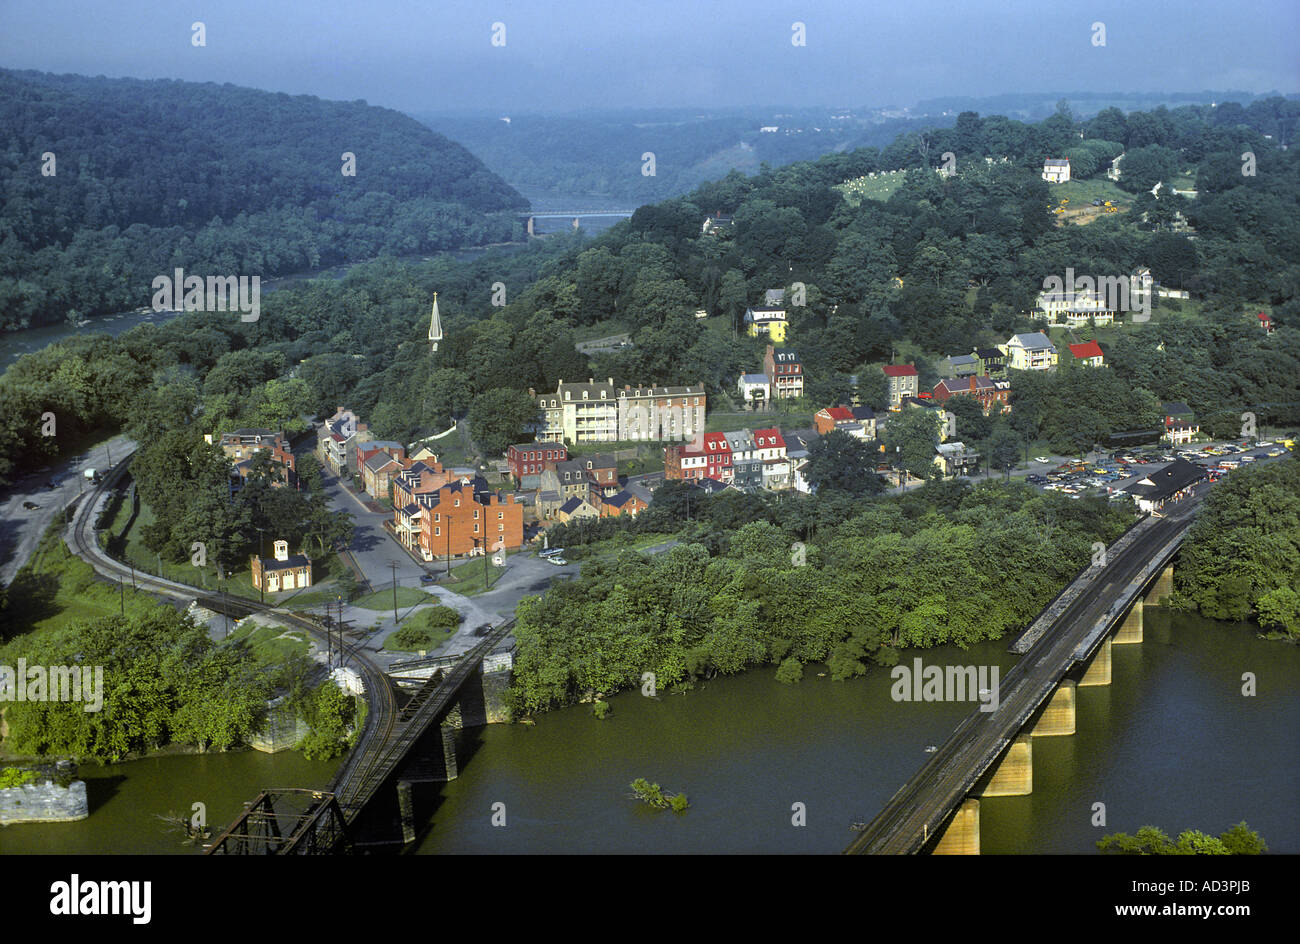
(432, 56)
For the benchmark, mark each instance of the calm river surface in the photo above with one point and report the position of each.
(1172, 743)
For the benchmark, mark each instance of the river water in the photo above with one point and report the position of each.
(1171, 742)
(13, 344)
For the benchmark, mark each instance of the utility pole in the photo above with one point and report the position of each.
(447, 525)
(393, 566)
(134, 588)
(121, 586)
(261, 553)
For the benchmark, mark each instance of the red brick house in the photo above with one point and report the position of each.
(624, 503)
(784, 372)
(993, 395)
(283, 571)
(527, 461)
(467, 518)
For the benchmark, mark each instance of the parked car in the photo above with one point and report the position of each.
(427, 579)
(557, 561)
(30, 505)
(1041, 459)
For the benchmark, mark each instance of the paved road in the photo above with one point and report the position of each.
(20, 528)
(372, 546)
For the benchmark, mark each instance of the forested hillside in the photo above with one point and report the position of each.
(970, 252)
(149, 175)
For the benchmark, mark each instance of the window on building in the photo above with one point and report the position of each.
(437, 531)
(501, 527)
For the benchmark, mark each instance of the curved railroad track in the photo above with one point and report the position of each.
(381, 705)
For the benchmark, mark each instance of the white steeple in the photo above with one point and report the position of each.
(435, 326)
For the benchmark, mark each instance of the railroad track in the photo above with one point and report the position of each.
(380, 700)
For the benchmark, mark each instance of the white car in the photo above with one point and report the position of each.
(557, 561)
(1041, 459)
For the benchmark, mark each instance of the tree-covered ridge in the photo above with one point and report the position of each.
(947, 564)
(1242, 558)
(150, 175)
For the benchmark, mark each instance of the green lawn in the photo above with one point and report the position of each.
(1085, 191)
(418, 632)
(730, 422)
(130, 548)
(623, 541)
(467, 577)
(56, 589)
(383, 599)
(272, 644)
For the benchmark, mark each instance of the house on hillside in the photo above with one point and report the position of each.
(754, 389)
(1088, 354)
(766, 321)
(1030, 352)
(784, 372)
(992, 395)
(241, 445)
(1180, 424)
(526, 461)
(1056, 171)
(903, 382)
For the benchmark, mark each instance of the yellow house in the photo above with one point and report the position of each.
(768, 321)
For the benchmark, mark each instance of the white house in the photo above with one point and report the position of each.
(1056, 171)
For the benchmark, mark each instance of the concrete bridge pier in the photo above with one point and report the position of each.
(1014, 775)
(1162, 586)
(1098, 672)
(962, 834)
(1130, 631)
(531, 224)
(1058, 716)
(406, 809)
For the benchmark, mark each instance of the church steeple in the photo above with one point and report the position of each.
(435, 326)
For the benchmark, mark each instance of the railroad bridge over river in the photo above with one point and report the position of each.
(1069, 645)
(370, 803)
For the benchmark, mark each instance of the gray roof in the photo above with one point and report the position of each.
(753, 378)
(1033, 342)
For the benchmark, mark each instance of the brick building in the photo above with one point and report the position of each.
(467, 518)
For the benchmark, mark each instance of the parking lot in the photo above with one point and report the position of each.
(1110, 473)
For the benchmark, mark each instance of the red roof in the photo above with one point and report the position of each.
(839, 413)
(899, 370)
(1091, 349)
(716, 442)
(769, 438)
(1263, 316)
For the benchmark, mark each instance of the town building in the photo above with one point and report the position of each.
(576, 508)
(958, 366)
(467, 518)
(954, 458)
(771, 450)
(784, 372)
(337, 439)
(1030, 352)
(1172, 483)
(766, 321)
(1056, 171)
(378, 469)
(283, 571)
(1088, 354)
(525, 462)
(903, 382)
(1180, 426)
(857, 421)
(241, 445)
(1075, 308)
(601, 412)
(746, 467)
(622, 503)
(716, 224)
(992, 395)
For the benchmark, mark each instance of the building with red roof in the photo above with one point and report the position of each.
(1088, 354)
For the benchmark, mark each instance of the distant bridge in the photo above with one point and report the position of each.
(575, 215)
